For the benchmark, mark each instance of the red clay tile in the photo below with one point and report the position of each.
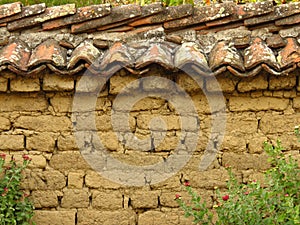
(288, 20)
(203, 14)
(66, 72)
(142, 31)
(26, 11)
(118, 14)
(114, 25)
(257, 53)
(116, 58)
(82, 14)
(271, 27)
(244, 11)
(49, 14)
(35, 71)
(16, 53)
(290, 54)
(166, 14)
(156, 53)
(189, 54)
(224, 54)
(121, 29)
(250, 73)
(86, 51)
(280, 11)
(220, 28)
(48, 52)
(10, 9)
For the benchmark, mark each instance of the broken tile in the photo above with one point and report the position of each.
(10, 9)
(48, 52)
(26, 11)
(290, 54)
(275, 41)
(223, 54)
(82, 14)
(49, 14)
(203, 14)
(257, 53)
(117, 14)
(100, 44)
(16, 53)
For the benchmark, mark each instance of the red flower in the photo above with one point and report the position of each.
(26, 157)
(187, 184)
(26, 195)
(225, 197)
(246, 193)
(286, 195)
(2, 156)
(177, 196)
(5, 191)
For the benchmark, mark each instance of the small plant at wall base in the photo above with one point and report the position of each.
(276, 202)
(15, 207)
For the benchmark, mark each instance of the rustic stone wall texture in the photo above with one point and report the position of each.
(36, 120)
(251, 52)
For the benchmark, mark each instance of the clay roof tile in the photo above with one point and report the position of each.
(16, 54)
(257, 53)
(48, 52)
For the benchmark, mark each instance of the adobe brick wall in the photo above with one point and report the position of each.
(35, 118)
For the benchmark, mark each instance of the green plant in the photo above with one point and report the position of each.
(15, 207)
(275, 202)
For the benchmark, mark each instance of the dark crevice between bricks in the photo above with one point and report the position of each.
(25, 142)
(158, 202)
(8, 85)
(90, 200)
(76, 218)
(129, 202)
(123, 201)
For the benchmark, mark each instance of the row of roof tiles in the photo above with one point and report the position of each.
(136, 56)
(102, 17)
(202, 39)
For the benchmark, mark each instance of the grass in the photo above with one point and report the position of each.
(80, 3)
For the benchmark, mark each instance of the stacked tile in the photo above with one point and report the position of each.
(243, 39)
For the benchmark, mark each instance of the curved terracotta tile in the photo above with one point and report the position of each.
(85, 51)
(16, 53)
(156, 53)
(224, 54)
(257, 53)
(66, 72)
(48, 51)
(189, 54)
(282, 73)
(114, 59)
(250, 73)
(290, 54)
(27, 73)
